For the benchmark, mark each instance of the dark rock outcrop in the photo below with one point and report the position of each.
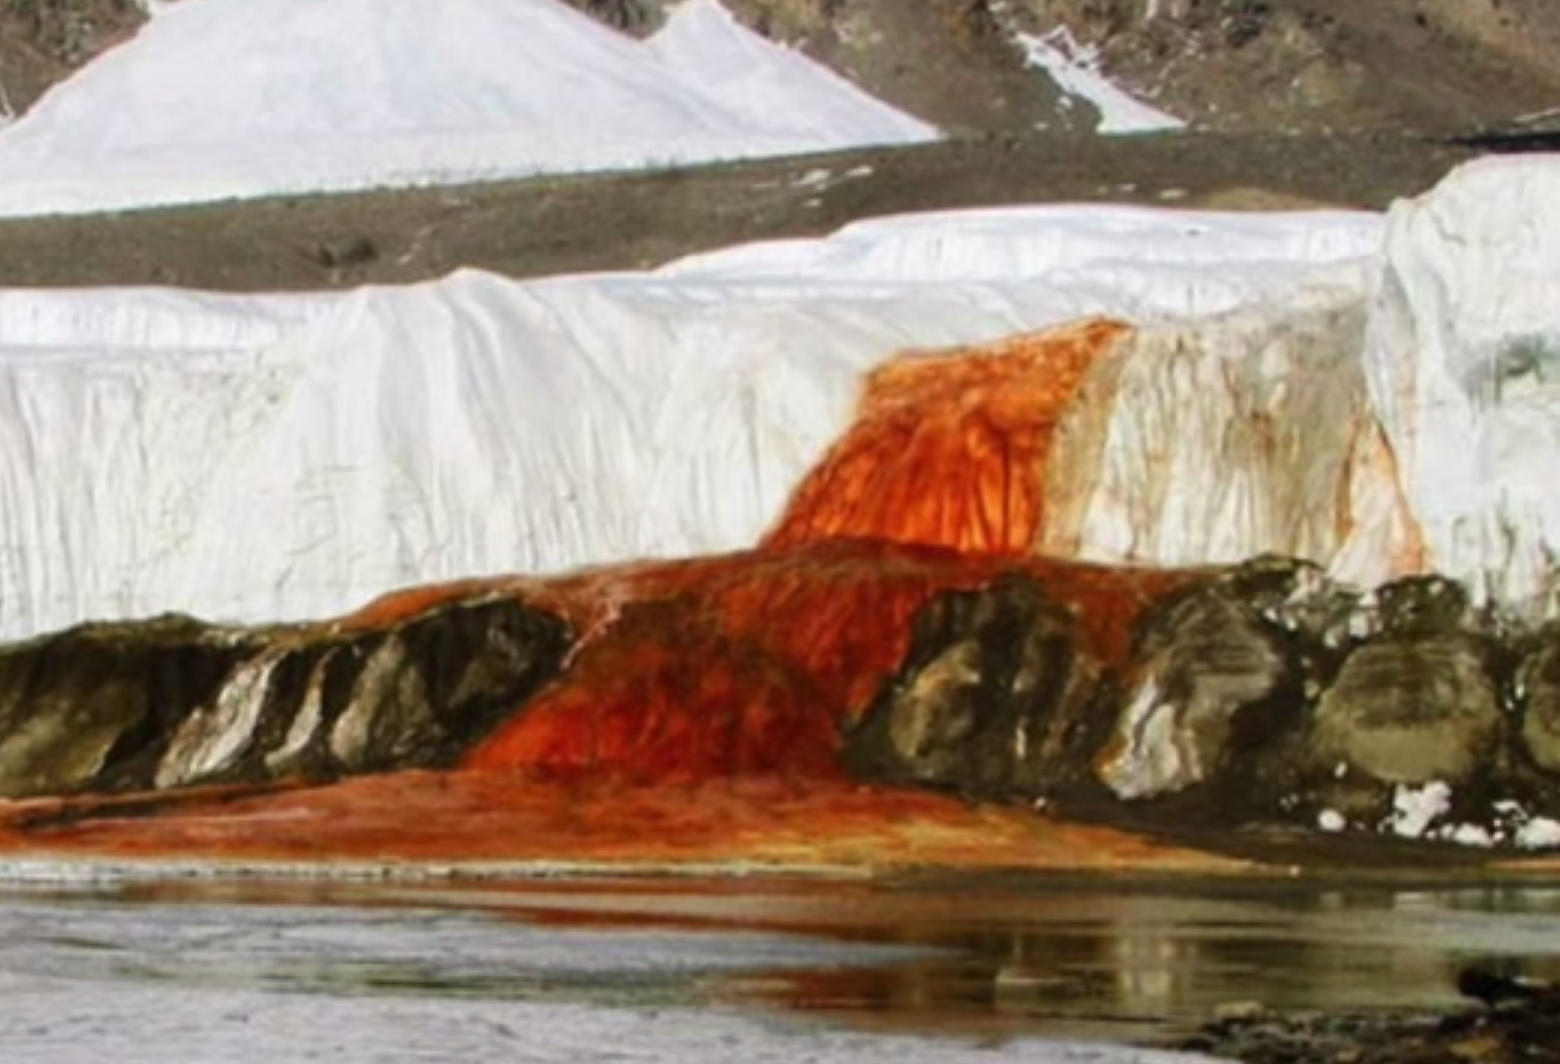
(174, 702)
(638, 17)
(1538, 688)
(92, 707)
(1266, 693)
(994, 700)
(43, 41)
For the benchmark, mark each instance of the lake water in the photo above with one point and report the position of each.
(955, 970)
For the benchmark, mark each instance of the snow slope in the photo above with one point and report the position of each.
(292, 456)
(225, 99)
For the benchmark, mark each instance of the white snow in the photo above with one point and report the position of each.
(225, 99)
(1540, 833)
(1464, 364)
(1075, 68)
(1421, 812)
(262, 458)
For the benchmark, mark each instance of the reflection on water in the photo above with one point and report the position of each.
(1140, 964)
(951, 959)
(1145, 965)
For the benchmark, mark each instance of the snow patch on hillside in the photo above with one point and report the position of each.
(228, 99)
(1075, 68)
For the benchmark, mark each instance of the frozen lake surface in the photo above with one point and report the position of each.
(690, 972)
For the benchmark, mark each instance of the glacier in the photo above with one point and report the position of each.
(1371, 392)
(258, 458)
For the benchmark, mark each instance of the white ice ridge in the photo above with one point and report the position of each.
(1076, 70)
(277, 457)
(1464, 364)
(227, 99)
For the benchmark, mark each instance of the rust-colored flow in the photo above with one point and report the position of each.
(751, 663)
(949, 450)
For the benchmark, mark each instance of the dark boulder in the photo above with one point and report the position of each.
(1537, 692)
(1408, 714)
(1425, 606)
(1411, 710)
(994, 700)
(1216, 672)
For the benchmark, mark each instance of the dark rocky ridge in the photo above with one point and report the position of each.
(562, 224)
(1262, 696)
(174, 702)
(1522, 1030)
(1259, 696)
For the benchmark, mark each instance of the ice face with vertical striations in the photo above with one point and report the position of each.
(1463, 359)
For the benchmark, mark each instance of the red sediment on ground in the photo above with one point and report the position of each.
(427, 817)
(950, 450)
(751, 663)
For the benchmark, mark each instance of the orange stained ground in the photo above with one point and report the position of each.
(506, 818)
(950, 449)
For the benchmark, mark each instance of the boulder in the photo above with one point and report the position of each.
(1411, 709)
(1538, 687)
(1212, 678)
(995, 698)
(1423, 605)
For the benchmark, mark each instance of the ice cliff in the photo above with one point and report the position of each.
(1464, 364)
(292, 456)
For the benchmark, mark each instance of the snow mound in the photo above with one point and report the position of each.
(228, 99)
(1464, 365)
(261, 458)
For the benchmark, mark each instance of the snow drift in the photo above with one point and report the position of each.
(227, 99)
